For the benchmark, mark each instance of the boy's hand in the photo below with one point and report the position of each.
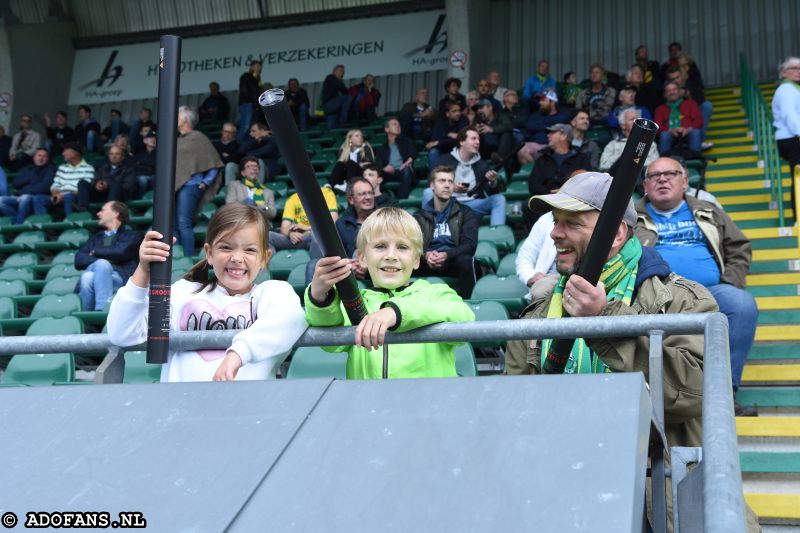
(328, 272)
(371, 331)
(229, 367)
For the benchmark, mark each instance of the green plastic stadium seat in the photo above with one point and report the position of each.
(68, 325)
(8, 307)
(18, 273)
(61, 285)
(29, 239)
(40, 369)
(297, 279)
(414, 198)
(182, 263)
(517, 190)
(79, 216)
(263, 276)
(62, 270)
(488, 310)
(486, 254)
(35, 220)
(508, 291)
(15, 287)
(21, 259)
(508, 265)
(56, 306)
(314, 362)
(137, 369)
(66, 257)
(465, 361)
(502, 236)
(74, 237)
(283, 262)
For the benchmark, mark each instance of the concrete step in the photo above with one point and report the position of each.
(775, 508)
(777, 303)
(775, 397)
(742, 186)
(776, 254)
(780, 332)
(775, 351)
(771, 374)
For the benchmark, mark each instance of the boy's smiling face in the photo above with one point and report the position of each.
(390, 259)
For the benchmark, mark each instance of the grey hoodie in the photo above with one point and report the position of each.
(464, 172)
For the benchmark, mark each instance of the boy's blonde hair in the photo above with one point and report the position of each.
(390, 220)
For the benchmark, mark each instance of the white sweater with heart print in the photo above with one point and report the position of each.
(269, 316)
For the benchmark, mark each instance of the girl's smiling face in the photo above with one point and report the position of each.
(237, 257)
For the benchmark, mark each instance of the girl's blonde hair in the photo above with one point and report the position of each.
(344, 151)
(389, 220)
(226, 220)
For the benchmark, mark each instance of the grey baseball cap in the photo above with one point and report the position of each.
(583, 192)
(566, 129)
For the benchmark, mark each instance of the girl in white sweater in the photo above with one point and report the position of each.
(269, 314)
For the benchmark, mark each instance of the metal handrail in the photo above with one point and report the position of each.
(759, 116)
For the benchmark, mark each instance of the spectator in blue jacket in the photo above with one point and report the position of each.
(108, 258)
(540, 82)
(34, 180)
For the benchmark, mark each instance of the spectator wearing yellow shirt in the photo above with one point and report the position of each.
(295, 227)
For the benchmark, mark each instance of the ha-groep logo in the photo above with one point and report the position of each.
(100, 87)
(431, 53)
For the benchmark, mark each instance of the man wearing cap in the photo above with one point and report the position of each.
(701, 242)
(635, 280)
(557, 161)
(489, 128)
(538, 122)
(64, 190)
(112, 181)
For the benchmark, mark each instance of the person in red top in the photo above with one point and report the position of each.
(678, 119)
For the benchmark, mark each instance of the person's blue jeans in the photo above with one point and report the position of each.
(3, 183)
(433, 158)
(245, 121)
(40, 201)
(302, 117)
(186, 200)
(494, 206)
(665, 141)
(92, 140)
(19, 208)
(98, 283)
(740, 308)
(336, 110)
(406, 180)
(144, 181)
(705, 109)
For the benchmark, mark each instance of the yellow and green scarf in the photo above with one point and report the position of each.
(257, 189)
(619, 277)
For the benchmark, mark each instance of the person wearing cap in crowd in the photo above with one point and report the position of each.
(635, 280)
(701, 242)
(452, 89)
(538, 122)
(627, 100)
(557, 161)
(64, 190)
(540, 82)
(489, 128)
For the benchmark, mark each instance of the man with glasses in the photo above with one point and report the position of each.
(701, 242)
(24, 143)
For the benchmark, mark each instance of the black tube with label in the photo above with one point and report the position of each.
(642, 135)
(169, 68)
(286, 135)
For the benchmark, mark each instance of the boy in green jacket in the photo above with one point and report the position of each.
(390, 244)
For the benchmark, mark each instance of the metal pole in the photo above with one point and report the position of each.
(723, 502)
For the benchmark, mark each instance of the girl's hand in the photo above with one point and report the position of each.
(229, 367)
(152, 250)
(371, 331)
(328, 272)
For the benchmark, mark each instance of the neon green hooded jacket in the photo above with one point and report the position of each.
(419, 304)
